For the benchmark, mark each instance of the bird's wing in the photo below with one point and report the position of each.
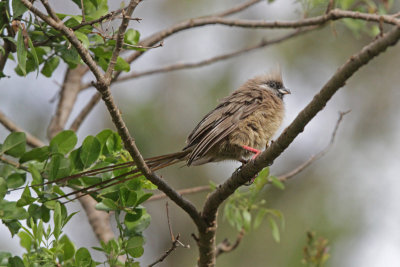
(220, 122)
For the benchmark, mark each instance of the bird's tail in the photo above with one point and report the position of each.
(154, 163)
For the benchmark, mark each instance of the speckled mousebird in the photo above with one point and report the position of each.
(241, 125)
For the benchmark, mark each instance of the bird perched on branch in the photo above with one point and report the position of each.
(239, 127)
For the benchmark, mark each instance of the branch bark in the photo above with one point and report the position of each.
(12, 127)
(68, 95)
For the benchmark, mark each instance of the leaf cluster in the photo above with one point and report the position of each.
(37, 203)
(40, 48)
(245, 210)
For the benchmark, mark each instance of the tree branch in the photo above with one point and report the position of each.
(180, 66)
(68, 95)
(12, 127)
(85, 112)
(286, 176)
(266, 158)
(174, 245)
(226, 246)
(334, 14)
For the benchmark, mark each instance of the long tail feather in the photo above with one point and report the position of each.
(154, 163)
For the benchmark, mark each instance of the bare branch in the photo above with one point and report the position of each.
(83, 12)
(243, 175)
(226, 246)
(13, 163)
(334, 14)
(180, 66)
(182, 192)
(236, 9)
(68, 95)
(120, 38)
(11, 126)
(174, 245)
(286, 176)
(85, 112)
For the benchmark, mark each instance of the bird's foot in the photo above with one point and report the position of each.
(253, 150)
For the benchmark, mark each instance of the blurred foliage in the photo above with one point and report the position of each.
(246, 210)
(316, 251)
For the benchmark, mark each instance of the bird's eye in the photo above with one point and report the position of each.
(274, 84)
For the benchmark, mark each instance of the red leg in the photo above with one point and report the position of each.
(255, 151)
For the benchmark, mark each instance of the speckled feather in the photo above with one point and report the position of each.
(250, 116)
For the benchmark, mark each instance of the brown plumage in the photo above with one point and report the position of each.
(240, 126)
(249, 117)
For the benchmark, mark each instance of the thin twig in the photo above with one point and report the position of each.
(190, 65)
(236, 9)
(182, 192)
(85, 112)
(83, 12)
(11, 126)
(315, 157)
(225, 246)
(174, 245)
(334, 14)
(13, 163)
(169, 223)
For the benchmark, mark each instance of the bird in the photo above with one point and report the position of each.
(238, 128)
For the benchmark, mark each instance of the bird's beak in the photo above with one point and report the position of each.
(284, 91)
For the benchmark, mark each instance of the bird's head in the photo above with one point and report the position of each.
(273, 81)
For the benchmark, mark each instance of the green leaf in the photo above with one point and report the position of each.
(274, 230)
(3, 188)
(69, 55)
(65, 141)
(22, 53)
(39, 154)
(15, 144)
(15, 262)
(83, 38)
(18, 8)
(259, 218)
(139, 225)
(276, 182)
(10, 211)
(90, 151)
(16, 180)
(144, 198)
(134, 246)
(13, 226)
(246, 220)
(122, 65)
(131, 37)
(50, 66)
(57, 221)
(83, 257)
(26, 198)
(76, 160)
(4, 258)
(35, 57)
(58, 167)
(104, 137)
(39, 232)
(110, 203)
(68, 247)
(25, 240)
